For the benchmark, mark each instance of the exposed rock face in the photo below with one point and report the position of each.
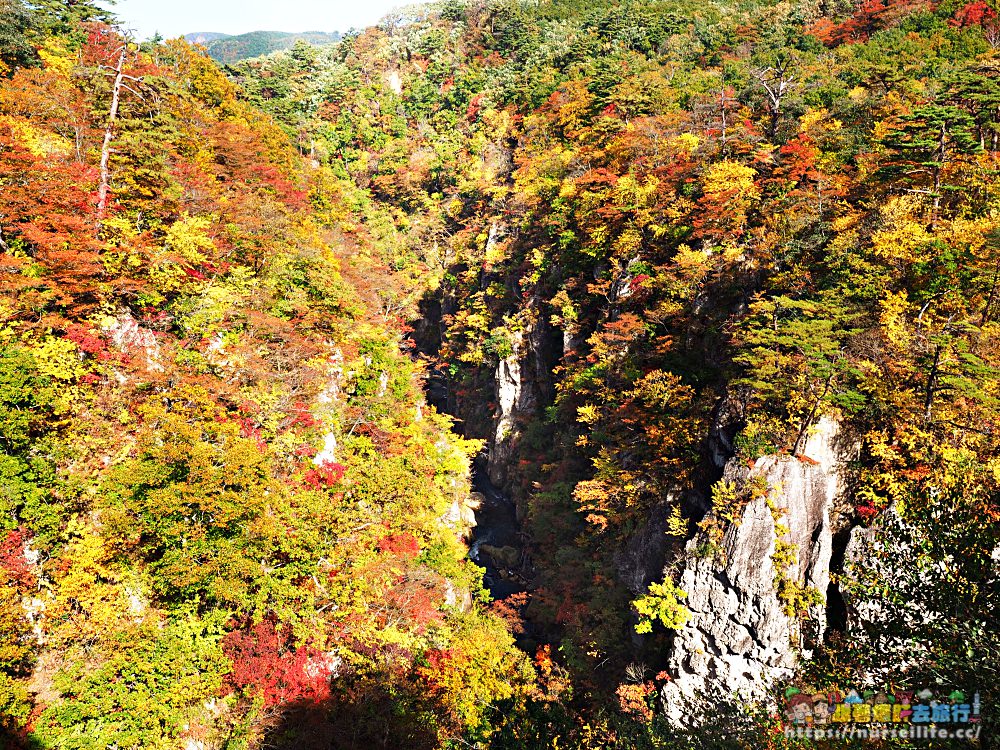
(135, 340)
(523, 381)
(461, 515)
(328, 455)
(510, 399)
(393, 81)
(739, 641)
(331, 395)
(641, 559)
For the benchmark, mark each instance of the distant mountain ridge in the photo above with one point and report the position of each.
(226, 48)
(205, 37)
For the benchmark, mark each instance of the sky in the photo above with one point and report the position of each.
(178, 17)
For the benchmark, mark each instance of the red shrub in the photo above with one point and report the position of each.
(305, 451)
(633, 700)
(475, 106)
(13, 561)
(974, 14)
(325, 475)
(266, 663)
(401, 545)
(414, 601)
(438, 658)
(251, 430)
(636, 283)
(86, 340)
(303, 418)
(866, 512)
(439, 664)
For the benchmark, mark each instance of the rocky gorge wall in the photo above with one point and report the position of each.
(523, 382)
(740, 638)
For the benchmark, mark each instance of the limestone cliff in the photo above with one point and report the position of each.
(523, 382)
(739, 639)
(513, 400)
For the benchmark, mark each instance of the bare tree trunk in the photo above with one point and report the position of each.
(109, 131)
(776, 82)
(78, 142)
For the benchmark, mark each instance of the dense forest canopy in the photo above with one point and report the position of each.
(613, 240)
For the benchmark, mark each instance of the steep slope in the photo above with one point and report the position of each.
(755, 584)
(223, 498)
(662, 240)
(710, 289)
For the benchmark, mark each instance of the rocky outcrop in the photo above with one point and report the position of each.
(523, 385)
(461, 514)
(134, 340)
(641, 559)
(513, 399)
(739, 640)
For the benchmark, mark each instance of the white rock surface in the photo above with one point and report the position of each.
(131, 338)
(510, 397)
(739, 641)
(329, 453)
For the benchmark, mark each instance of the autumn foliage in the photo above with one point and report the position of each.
(266, 663)
(626, 244)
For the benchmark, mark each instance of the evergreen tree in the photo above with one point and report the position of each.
(16, 26)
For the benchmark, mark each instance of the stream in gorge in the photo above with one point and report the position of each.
(497, 545)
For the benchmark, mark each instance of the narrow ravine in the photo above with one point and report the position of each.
(497, 544)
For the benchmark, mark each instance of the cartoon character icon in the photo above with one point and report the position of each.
(800, 710)
(853, 697)
(821, 709)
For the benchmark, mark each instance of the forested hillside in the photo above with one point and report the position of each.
(710, 290)
(220, 485)
(229, 49)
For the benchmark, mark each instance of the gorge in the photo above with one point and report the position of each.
(509, 374)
